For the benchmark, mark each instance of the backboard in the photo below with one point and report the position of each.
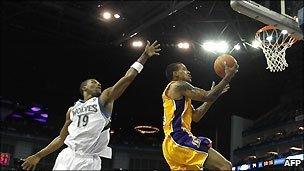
(283, 27)
(284, 14)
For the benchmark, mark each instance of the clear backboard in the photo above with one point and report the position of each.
(283, 27)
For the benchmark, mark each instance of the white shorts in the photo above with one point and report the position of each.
(67, 159)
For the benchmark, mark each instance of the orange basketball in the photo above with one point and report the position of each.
(219, 67)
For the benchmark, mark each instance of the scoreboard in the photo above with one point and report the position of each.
(289, 161)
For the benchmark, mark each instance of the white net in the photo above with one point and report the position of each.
(274, 43)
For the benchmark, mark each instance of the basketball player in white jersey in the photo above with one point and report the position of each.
(86, 131)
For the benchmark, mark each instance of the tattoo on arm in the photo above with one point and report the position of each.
(184, 86)
(194, 93)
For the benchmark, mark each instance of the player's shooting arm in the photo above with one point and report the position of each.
(198, 94)
(32, 161)
(186, 89)
(114, 92)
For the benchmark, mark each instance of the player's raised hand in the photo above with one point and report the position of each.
(152, 49)
(230, 71)
(30, 162)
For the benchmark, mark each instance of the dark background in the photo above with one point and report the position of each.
(48, 48)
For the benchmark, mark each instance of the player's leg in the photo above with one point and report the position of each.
(182, 156)
(63, 160)
(215, 161)
(86, 163)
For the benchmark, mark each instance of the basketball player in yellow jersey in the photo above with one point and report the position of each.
(181, 149)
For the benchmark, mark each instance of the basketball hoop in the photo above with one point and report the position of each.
(274, 43)
(146, 129)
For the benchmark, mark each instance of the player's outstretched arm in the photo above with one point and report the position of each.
(199, 112)
(230, 72)
(114, 92)
(183, 88)
(31, 161)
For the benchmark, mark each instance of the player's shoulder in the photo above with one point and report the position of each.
(70, 108)
(180, 85)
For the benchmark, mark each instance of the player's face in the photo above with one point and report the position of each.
(94, 88)
(184, 74)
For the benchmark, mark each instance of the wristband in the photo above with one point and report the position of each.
(137, 66)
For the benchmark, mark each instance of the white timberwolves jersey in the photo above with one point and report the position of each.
(87, 133)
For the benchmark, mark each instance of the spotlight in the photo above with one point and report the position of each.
(222, 47)
(137, 44)
(183, 45)
(284, 32)
(106, 15)
(237, 47)
(35, 108)
(255, 44)
(116, 16)
(209, 46)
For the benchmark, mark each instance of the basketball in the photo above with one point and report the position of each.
(219, 67)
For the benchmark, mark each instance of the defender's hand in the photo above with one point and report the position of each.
(152, 50)
(30, 162)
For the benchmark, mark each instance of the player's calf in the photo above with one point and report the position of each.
(226, 165)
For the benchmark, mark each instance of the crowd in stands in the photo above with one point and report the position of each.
(281, 115)
(273, 139)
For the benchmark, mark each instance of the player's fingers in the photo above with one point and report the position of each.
(225, 64)
(27, 167)
(23, 164)
(157, 50)
(156, 46)
(156, 53)
(153, 44)
(236, 65)
(148, 43)
(213, 84)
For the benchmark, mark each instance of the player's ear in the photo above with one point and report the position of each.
(174, 74)
(84, 88)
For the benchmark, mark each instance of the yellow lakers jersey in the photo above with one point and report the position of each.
(177, 113)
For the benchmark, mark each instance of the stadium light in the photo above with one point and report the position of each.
(137, 43)
(284, 32)
(211, 46)
(222, 47)
(35, 108)
(237, 47)
(255, 44)
(183, 45)
(107, 15)
(116, 16)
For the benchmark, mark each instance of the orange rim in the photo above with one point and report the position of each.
(272, 27)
